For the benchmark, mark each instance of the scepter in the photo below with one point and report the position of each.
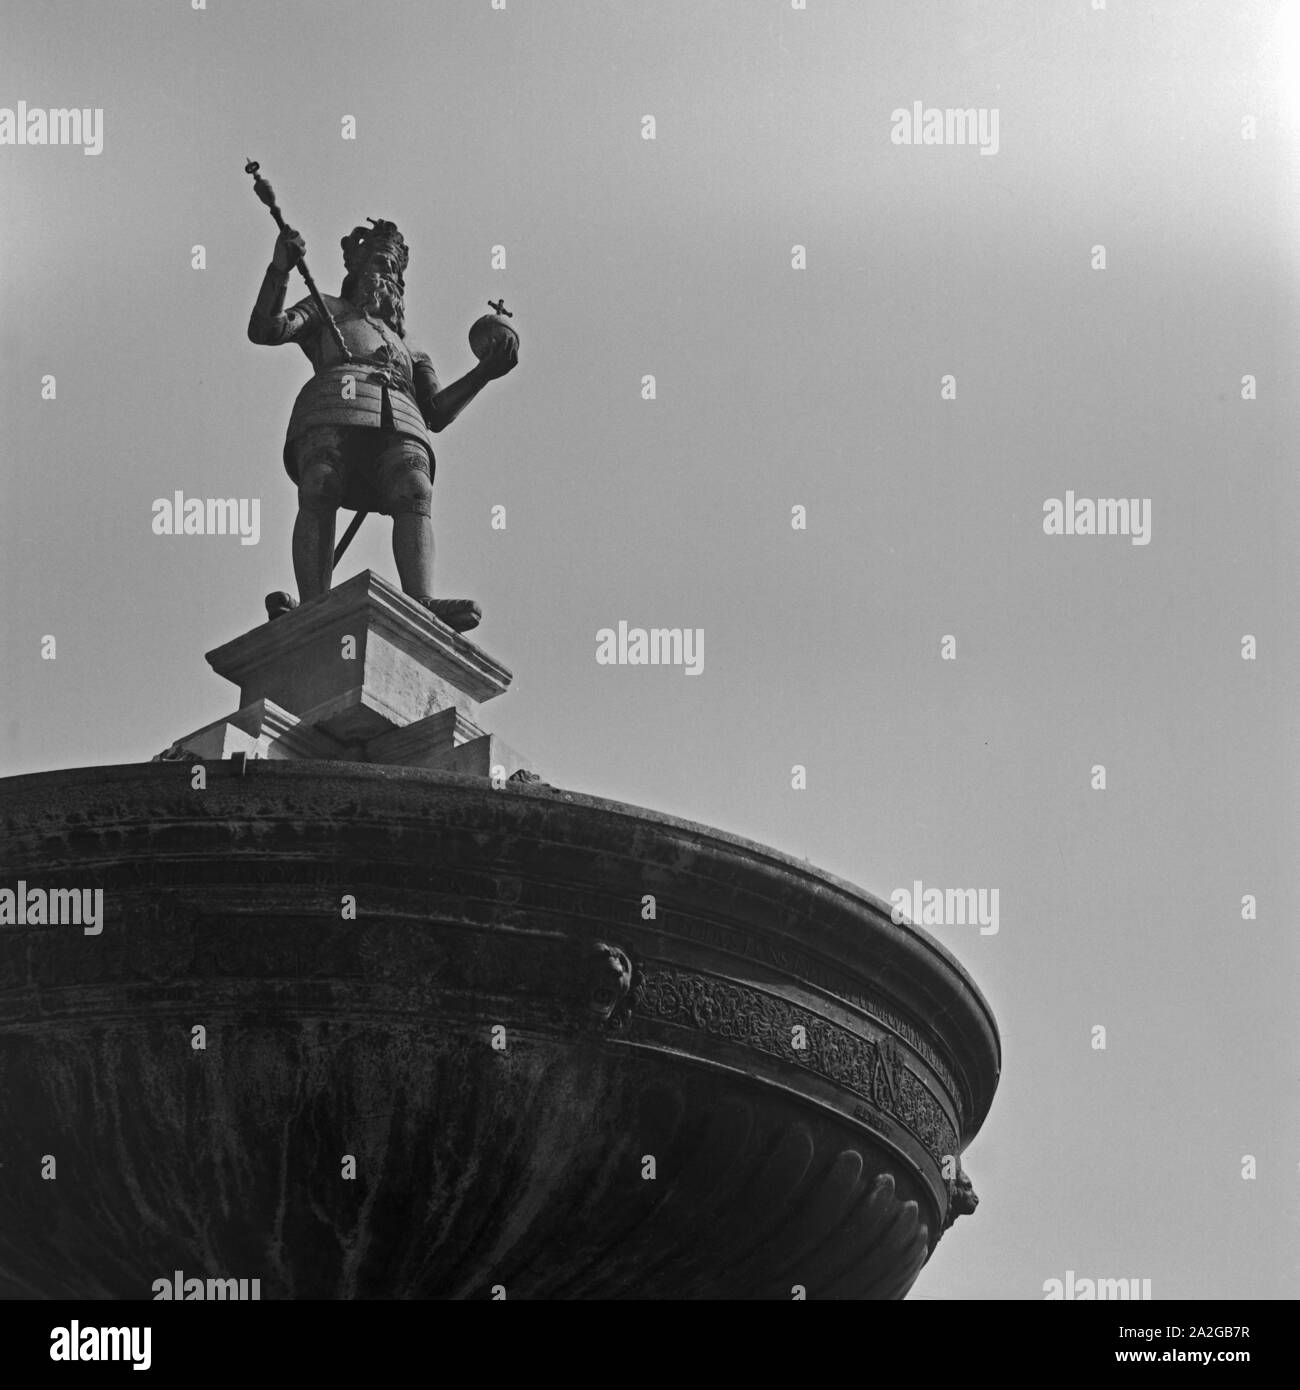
(267, 194)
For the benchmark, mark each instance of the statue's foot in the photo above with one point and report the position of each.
(460, 614)
(280, 603)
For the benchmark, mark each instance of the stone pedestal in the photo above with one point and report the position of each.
(362, 674)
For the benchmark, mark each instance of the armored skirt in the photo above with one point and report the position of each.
(375, 427)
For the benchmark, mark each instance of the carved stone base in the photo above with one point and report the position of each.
(362, 674)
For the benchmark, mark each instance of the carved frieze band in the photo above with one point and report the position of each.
(755, 946)
(872, 1069)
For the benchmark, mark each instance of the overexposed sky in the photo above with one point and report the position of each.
(1120, 127)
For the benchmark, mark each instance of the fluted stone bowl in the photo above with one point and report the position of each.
(460, 1042)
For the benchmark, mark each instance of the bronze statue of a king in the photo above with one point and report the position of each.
(359, 432)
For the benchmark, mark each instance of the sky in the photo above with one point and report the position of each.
(1123, 127)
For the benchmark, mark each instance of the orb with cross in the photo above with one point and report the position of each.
(491, 329)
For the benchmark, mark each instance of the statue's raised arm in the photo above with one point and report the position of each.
(269, 324)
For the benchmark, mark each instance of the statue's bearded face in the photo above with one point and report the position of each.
(377, 290)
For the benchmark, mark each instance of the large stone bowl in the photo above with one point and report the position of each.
(563, 1048)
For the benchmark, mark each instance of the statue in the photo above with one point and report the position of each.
(359, 432)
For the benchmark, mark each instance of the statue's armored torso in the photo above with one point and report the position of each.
(352, 392)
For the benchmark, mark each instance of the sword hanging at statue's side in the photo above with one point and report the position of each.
(267, 194)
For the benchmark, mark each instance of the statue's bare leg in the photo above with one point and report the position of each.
(408, 492)
(320, 489)
(413, 552)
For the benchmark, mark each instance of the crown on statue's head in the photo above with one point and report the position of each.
(363, 242)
